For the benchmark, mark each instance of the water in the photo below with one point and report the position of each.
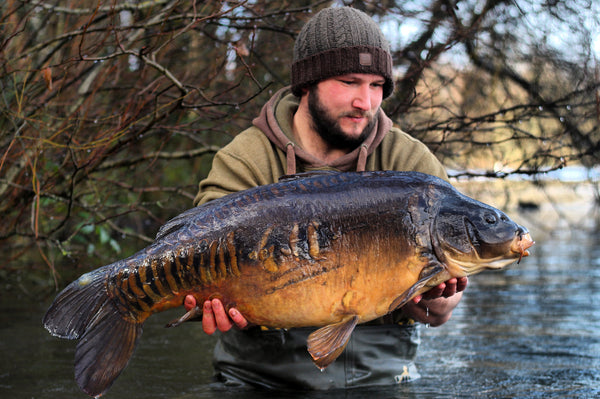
(530, 331)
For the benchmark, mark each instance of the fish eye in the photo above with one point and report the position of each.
(490, 219)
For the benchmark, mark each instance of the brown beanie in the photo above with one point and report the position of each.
(337, 41)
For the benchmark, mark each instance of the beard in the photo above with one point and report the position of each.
(328, 127)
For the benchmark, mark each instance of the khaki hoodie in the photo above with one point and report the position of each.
(266, 151)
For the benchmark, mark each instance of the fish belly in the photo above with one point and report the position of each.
(321, 292)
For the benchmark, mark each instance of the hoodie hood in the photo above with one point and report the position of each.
(275, 121)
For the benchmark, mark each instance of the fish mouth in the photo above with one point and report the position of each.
(466, 267)
(517, 249)
(520, 245)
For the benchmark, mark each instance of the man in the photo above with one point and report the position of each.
(331, 118)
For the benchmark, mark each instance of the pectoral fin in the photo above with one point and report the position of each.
(426, 275)
(327, 343)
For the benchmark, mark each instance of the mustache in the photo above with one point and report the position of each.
(358, 114)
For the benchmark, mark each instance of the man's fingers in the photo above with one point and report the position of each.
(445, 289)
(461, 284)
(450, 288)
(237, 318)
(221, 317)
(435, 292)
(208, 319)
(189, 302)
(214, 317)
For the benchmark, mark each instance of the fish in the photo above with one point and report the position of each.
(328, 250)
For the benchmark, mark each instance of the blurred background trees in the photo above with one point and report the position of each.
(110, 111)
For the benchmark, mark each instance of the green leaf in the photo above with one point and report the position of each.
(103, 233)
(115, 246)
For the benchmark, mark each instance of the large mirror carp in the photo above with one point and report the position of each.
(328, 250)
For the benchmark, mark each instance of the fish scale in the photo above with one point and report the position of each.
(328, 250)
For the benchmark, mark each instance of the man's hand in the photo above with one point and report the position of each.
(446, 290)
(214, 316)
(436, 305)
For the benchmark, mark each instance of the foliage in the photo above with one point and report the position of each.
(110, 111)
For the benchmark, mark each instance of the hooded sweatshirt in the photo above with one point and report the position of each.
(266, 151)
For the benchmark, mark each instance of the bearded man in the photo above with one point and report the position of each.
(329, 119)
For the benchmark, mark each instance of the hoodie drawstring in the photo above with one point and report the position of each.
(290, 156)
(361, 163)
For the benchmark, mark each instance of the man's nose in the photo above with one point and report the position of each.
(362, 98)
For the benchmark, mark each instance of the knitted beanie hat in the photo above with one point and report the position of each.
(337, 41)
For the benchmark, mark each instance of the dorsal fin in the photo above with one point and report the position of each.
(327, 343)
(305, 175)
(177, 222)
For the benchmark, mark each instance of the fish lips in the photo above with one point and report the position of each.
(521, 244)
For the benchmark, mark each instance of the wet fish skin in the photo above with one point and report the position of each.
(332, 250)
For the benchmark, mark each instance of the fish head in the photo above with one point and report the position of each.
(470, 236)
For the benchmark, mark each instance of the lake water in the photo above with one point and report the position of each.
(529, 331)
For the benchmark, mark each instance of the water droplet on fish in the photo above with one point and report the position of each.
(427, 311)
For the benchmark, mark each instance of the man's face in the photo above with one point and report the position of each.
(344, 109)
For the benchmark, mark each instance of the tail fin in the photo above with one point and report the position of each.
(83, 310)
